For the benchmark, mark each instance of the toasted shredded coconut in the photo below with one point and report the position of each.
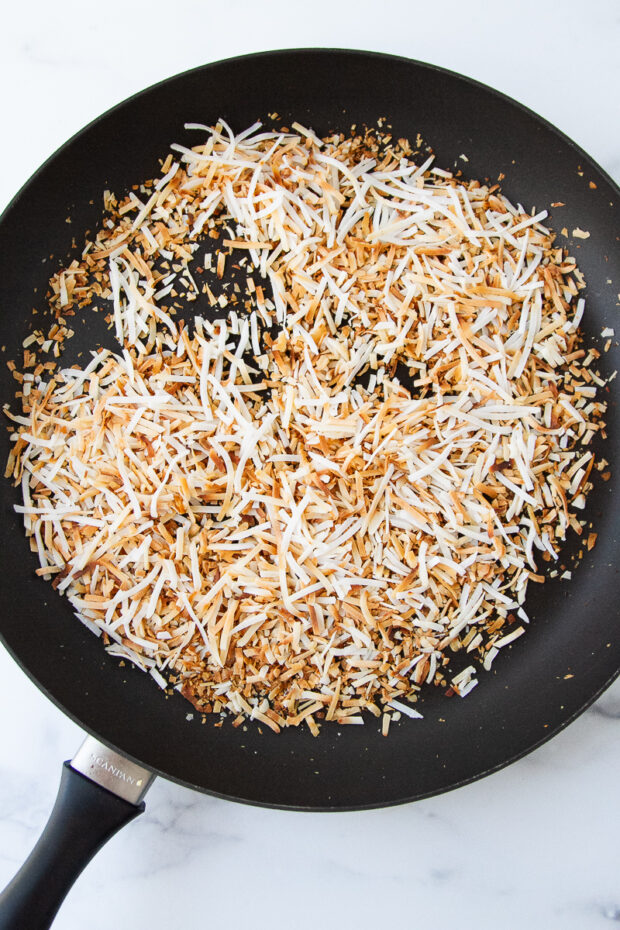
(303, 509)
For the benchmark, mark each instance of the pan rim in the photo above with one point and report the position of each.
(271, 56)
(310, 809)
(270, 53)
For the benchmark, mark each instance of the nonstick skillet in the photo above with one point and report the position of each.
(571, 651)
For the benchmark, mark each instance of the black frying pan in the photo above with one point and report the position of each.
(571, 651)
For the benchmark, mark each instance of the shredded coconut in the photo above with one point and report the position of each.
(311, 530)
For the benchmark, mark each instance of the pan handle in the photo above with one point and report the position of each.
(100, 791)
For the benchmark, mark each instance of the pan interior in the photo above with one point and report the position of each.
(570, 651)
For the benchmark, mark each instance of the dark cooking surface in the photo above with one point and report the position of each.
(527, 697)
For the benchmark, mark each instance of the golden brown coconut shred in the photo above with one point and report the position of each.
(300, 510)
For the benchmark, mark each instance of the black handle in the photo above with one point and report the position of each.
(84, 817)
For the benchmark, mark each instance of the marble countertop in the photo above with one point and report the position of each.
(534, 845)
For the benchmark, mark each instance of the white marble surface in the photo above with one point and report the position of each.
(535, 845)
